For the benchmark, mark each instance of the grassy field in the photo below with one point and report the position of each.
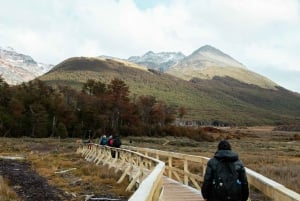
(275, 154)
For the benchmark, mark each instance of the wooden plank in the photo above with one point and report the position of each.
(175, 191)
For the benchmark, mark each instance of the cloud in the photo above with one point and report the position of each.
(257, 33)
(260, 12)
(273, 56)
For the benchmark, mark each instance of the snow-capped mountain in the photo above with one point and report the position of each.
(161, 61)
(16, 68)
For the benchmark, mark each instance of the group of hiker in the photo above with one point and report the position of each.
(112, 141)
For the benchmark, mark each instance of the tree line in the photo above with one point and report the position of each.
(35, 109)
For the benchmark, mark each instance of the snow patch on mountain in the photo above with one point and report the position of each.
(16, 68)
(161, 61)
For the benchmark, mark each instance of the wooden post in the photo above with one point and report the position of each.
(186, 170)
(170, 167)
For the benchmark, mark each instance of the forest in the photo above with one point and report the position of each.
(35, 109)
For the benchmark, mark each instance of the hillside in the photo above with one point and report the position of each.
(208, 62)
(219, 99)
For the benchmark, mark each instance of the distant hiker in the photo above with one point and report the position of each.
(117, 142)
(225, 177)
(89, 142)
(110, 141)
(103, 140)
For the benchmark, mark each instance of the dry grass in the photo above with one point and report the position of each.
(49, 156)
(6, 193)
(274, 154)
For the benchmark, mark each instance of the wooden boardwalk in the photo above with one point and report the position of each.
(148, 173)
(175, 191)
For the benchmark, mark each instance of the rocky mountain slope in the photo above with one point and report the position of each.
(209, 56)
(16, 68)
(161, 61)
(214, 88)
(204, 63)
(208, 62)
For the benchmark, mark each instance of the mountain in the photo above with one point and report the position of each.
(210, 56)
(220, 99)
(208, 62)
(161, 61)
(16, 68)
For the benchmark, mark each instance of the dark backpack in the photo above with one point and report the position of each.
(226, 183)
(117, 142)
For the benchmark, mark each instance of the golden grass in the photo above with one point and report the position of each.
(6, 193)
(240, 74)
(272, 153)
(50, 156)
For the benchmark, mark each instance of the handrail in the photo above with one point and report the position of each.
(143, 170)
(270, 188)
(183, 174)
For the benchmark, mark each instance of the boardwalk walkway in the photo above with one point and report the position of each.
(154, 171)
(175, 191)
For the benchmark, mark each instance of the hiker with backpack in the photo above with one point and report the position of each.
(114, 141)
(225, 177)
(117, 144)
(103, 140)
(110, 141)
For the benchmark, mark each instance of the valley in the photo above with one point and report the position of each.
(274, 154)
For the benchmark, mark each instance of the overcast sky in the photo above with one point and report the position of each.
(264, 35)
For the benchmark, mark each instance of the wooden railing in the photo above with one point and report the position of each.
(190, 169)
(142, 171)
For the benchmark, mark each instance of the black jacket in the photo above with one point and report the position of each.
(229, 156)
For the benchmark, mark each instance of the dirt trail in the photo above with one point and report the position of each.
(26, 182)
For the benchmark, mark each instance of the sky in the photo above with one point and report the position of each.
(263, 35)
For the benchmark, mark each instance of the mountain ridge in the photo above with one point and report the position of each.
(219, 58)
(206, 62)
(161, 61)
(221, 99)
(17, 68)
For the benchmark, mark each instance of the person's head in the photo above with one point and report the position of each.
(224, 145)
